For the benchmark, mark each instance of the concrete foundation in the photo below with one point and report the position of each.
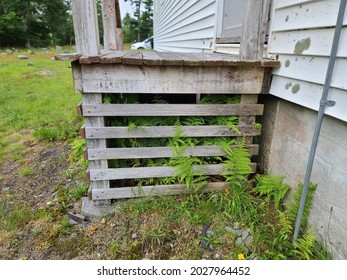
(285, 144)
(90, 210)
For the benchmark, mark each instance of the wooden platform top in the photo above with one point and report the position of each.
(167, 58)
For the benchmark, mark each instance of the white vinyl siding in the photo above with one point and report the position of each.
(184, 25)
(301, 36)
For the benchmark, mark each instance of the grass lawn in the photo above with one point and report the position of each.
(42, 178)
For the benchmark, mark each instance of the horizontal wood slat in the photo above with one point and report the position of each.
(153, 172)
(168, 131)
(159, 152)
(132, 192)
(172, 110)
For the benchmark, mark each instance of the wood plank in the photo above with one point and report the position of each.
(133, 192)
(313, 14)
(308, 95)
(86, 28)
(168, 131)
(77, 76)
(312, 69)
(89, 59)
(159, 152)
(253, 39)
(109, 24)
(172, 109)
(96, 143)
(132, 58)
(248, 120)
(117, 78)
(67, 56)
(169, 59)
(79, 109)
(113, 57)
(151, 58)
(316, 42)
(153, 172)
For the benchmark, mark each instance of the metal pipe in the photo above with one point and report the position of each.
(323, 102)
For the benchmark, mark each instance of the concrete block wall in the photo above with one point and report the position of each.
(285, 144)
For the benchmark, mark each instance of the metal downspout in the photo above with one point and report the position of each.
(323, 102)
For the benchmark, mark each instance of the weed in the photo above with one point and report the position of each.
(26, 171)
(80, 191)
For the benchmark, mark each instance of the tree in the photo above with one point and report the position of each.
(35, 23)
(129, 29)
(143, 19)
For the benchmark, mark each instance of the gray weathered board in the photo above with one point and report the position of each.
(153, 172)
(172, 110)
(159, 152)
(167, 131)
(137, 191)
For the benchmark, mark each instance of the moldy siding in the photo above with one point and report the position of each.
(302, 35)
(184, 25)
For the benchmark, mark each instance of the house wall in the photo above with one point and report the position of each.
(285, 143)
(184, 25)
(301, 37)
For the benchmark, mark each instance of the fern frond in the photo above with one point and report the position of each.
(305, 245)
(272, 187)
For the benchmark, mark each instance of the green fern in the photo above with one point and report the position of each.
(272, 187)
(305, 245)
(293, 206)
(237, 163)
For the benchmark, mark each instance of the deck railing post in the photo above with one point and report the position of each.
(86, 27)
(112, 24)
(254, 29)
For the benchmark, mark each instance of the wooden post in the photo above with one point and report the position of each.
(254, 29)
(86, 27)
(252, 45)
(113, 33)
(96, 98)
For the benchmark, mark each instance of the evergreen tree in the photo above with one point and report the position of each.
(35, 23)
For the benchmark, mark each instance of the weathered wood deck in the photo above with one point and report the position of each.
(150, 72)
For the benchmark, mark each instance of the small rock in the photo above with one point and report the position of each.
(58, 48)
(217, 256)
(206, 256)
(248, 240)
(76, 217)
(209, 233)
(239, 241)
(6, 189)
(134, 236)
(245, 234)
(31, 52)
(54, 194)
(0, 51)
(30, 64)
(49, 202)
(72, 222)
(48, 153)
(9, 52)
(22, 56)
(47, 52)
(66, 51)
(236, 232)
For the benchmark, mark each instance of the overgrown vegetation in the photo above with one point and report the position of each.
(38, 115)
